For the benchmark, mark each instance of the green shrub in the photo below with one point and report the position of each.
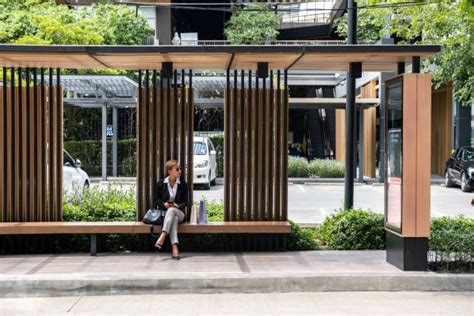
(218, 142)
(100, 205)
(297, 167)
(354, 229)
(96, 205)
(115, 205)
(301, 238)
(215, 211)
(326, 168)
(451, 243)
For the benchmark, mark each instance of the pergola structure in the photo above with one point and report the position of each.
(256, 116)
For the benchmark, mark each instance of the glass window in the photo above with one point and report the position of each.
(200, 148)
(468, 154)
(393, 194)
(68, 161)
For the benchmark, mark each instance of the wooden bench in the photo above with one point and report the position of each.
(94, 228)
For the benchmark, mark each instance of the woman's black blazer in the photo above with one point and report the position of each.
(163, 195)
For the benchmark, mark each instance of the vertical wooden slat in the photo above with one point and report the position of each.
(261, 156)
(271, 183)
(161, 138)
(24, 150)
(139, 148)
(37, 147)
(242, 147)
(59, 148)
(23, 138)
(44, 152)
(146, 135)
(9, 188)
(30, 149)
(227, 149)
(34, 147)
(52, 147)
(167, 119)
(236, 146)
(277, 152)
(190, 162)
(181, 111)
(248, 127)
(171, 115)
(16, 159)
(285, 151)
(154, 154)
(186, 128)
(255, 168)
(266, 148)
(144, 152)
(2, 149)
(233, 150)
(175, 114)
(50, 162)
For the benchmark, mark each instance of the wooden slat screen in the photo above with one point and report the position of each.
(31, 147)
(165, 131)
(255, 148)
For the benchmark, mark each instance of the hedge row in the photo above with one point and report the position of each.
(451, 243)
(300, 167)
(115, 204)
(89, 152)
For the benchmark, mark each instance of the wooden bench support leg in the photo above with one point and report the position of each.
(93, 244)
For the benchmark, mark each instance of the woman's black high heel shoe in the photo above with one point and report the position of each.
(175, 257)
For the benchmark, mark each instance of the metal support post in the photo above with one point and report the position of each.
(104, 141)
(361, 145)
(93, 244)
(114, 140)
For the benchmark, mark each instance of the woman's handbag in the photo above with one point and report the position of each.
(154, 217)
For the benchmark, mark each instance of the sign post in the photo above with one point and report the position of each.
(408, 170)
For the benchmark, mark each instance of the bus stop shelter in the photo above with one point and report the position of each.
(255, 127)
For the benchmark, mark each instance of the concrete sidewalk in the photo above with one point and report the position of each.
(309, 271)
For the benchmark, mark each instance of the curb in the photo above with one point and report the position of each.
(306, 181)
(64, 285)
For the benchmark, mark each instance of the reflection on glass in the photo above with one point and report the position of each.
(393, 194)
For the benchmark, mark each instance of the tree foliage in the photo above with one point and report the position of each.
(252, 25)
(45, 22)
(447, 23)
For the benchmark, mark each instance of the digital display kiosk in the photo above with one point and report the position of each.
(407, 169)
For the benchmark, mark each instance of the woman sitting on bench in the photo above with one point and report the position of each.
(172, 196)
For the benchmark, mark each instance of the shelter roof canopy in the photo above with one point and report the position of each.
(318, 58)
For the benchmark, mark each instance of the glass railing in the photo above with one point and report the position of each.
(306, 19)
(266, 43)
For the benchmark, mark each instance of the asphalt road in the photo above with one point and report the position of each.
(311, 203)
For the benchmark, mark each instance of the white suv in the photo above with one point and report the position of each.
(204, 162)
(74, 178)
